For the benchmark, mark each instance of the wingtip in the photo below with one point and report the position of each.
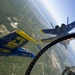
(41, 31)
(40, 41)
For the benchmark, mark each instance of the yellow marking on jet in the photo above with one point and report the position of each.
(24, 35)
(41, 41)
(45, 41)
(41, 31)
(0, 49)
(5, 50)
(11, 44)
(21, 40)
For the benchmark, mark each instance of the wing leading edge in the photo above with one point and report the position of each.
(48, 39)
(49, 31)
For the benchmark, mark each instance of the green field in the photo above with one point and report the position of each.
(29, 23)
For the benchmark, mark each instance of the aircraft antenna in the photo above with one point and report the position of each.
(51, 24)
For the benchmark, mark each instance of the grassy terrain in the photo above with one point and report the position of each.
(28, 22)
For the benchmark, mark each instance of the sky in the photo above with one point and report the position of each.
(60, 10)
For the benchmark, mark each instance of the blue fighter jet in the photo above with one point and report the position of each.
(59, 32)
(11, 44)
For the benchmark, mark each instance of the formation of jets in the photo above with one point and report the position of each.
(11, 44)
(59, 32)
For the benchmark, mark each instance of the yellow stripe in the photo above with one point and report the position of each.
(41, 41)
(41, 31)
(24, 35)
(45, 41)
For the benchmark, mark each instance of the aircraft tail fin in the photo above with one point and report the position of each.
(67, 20)
(64, 44)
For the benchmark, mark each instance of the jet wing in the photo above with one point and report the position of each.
(52, 39)
(70, 26)
(49, 31)
(49, 39)
(15, 40)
